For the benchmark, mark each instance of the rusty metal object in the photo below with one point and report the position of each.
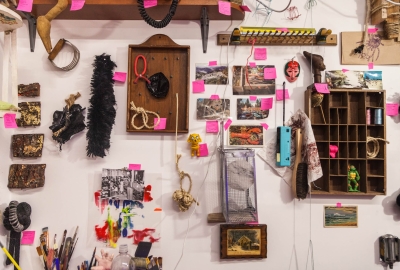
(26, 176)
(27, 145)
(29, 90)
(30, 114)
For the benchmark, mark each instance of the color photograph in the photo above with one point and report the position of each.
(373, 79)
(250, 136)
(348, 79)
(212, 109)
(250, 110)
(340, 217)
(254, 84)
(212, 74)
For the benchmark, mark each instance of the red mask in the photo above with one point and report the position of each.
(292, 71)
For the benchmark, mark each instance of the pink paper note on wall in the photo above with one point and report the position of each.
(9, 120)
(253, 98)
(392, 109)
(282, 29)
(198, 86)
(265, 125)
(135, 167)
(252, 64)
(227, 124)
(119, 76)
(203, 149)
(25, 5)
(370, 65)
(27, 237)
(279, 94)
(372, 30)
(212, 63)
(212, 127)
(150, 3)
(338, 204)
(260, 53)
(214, 97)
(245, 8)
(224, 7)
(269, 73)
(161, 125)
(344, 70)
(266, 103)
(322, 88)
(77, 4)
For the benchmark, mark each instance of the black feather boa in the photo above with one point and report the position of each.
(101, 112)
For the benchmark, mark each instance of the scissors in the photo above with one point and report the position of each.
(141, 75)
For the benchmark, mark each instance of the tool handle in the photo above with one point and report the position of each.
(11, 258)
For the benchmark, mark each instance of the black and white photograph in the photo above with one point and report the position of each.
(212, 74)
(121, 184)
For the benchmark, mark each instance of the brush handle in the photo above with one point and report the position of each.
(298, 142)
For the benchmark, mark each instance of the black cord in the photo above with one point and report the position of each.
(157, 24)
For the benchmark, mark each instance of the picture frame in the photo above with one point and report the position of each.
(246, 135)
(242, 241)
(340, 217)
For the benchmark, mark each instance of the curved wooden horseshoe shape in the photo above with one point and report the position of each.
(44, 23)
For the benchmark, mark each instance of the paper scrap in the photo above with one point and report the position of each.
(135, 167)
(27, 237)
(150, 3)
(224, 7)
(260, 53)
(25, 5)
(119, 76)
(333, 149)
(212, 127)
(252, 64)
(269, 73)
(212, 63)
(161, 125)
(253, 98)
(157, 209)
(214, 97)
(77, 4)
(344, 70)
(338, 204)
(282, 29)
(392, 109)
(227, 124)
(279, 94)
(372, 30)
(266, 103)
(203, 149)
(245, 8)
(322, 88)
(265, 125)
(370, 65)
(198, 86)
(9, 120)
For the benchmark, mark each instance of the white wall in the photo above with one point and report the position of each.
(63, 202)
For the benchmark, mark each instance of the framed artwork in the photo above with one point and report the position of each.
(246, 135)
(255, 84)
(212, 74)
(340, 217)
(212, 109)
(243, 241)
(250, 110)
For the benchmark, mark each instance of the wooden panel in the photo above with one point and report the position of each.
(162, 55)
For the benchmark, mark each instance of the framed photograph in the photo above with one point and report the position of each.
(245, 135)
(250, 110)
(340, 217)
(255, 84)
(212, 74)
(243, 241)
(213, 109)
(121, 184)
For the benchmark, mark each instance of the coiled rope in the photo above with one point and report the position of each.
(376, 146)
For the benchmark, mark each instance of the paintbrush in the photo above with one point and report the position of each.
(91, 261)
(73, 238)
(41, 254)
(65, 255)
(62, 245)
(45, 238)
(55, 247)
(73, 248)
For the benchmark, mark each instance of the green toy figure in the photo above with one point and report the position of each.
(352, 178)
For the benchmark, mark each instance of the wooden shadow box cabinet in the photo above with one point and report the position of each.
(346, 126)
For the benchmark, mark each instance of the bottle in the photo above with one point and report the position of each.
(123, 261)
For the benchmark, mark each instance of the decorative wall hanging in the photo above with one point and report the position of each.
(29, 90)
(30, 114)
(243, 241)
(255, 85)
(371, 79)
(27, 145)
(340, 217)
(386, 12)
(213, 109)
(292, 71)
(101, 113)
(159, 54)
(16, 218)
(68, 122)
(26, 176)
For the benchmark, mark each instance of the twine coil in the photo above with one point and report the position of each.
(376, 148)
(181, 196)
(145, 117)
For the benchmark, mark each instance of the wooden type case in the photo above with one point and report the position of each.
(26, 176)
(27, 145)
(162, 55)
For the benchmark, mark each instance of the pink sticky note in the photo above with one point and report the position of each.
(269, 73)
(212, 127)
(9, 120)
(198, 86)
(279, 94)
(322, 88)
(344, 70)
(370, 65)
(338, 205)
(25, 5)
(203, 149)
(265, 125)
(227, 124)
(150, 3)
(214, 97)
(245, 8)
(27, 237)
(333, 149)
(135, 167)
(252, 64)
(161, 125)
(253, 98)
(392, 109)
(77, 4)
(372, 30)
(119, 76)
(266, 103)
(282, 29)
(212, 63)
(260, 53)
(224, 7)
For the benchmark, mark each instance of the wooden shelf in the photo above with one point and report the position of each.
(127, 10)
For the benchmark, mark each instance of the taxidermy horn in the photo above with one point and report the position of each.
(44, 23)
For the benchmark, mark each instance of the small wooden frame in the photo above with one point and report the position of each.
(162, 55)
(243, 241)
(340, 216)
